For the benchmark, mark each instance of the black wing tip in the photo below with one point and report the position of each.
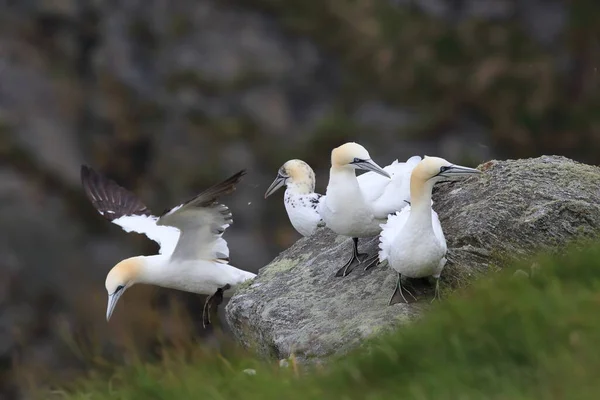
(85, 172)
(237, 176)
(90, 178)
(228, 185)
(210, 196)
(89, 174)
(108, 197)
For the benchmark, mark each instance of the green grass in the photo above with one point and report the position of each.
(505, 337)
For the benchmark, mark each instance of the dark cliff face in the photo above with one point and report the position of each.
(169, 98)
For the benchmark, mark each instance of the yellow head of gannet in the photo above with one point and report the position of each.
(120, 278)
(434, 169)
(294, 173)
(353, 155)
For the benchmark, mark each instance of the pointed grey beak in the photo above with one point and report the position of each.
(112, 302)
(456, 171)
(277, 183)
(370, 165)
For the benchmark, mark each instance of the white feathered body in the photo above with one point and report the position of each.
(192, 251)
(367, 199)
(344, 208)
(195, 276)
(415, 247)
(302, 211)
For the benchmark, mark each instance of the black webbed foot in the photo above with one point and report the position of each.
(356, 259)
(212, 305)
(372, 262)
(352, 263)
(398, 295)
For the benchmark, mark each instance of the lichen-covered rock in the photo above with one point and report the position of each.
(297, 305)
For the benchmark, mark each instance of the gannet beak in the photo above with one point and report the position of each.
(277, 183)
(370, 165)
(112, 302)
(455, 171)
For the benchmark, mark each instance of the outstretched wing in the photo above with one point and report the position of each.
(123, 208)
(390, 230)
(202, 221)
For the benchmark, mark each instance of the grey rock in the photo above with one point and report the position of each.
(516, 207)
(298, 306)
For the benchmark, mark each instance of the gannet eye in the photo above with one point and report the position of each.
(282, 173)
(444, 169)
(356, 160)
(119, 288)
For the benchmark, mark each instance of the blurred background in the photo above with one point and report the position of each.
(169, 97)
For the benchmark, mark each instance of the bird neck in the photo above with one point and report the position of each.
(343, 185)
(420, 200)
(300, 187)
(343, 174)
(153, 269)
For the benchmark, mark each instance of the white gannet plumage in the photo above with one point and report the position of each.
(344, 207)
(387, 196)
(193, 255)
(412, 240)
(301, 202)
(300, 199)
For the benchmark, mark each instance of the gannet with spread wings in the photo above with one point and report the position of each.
(193, 255)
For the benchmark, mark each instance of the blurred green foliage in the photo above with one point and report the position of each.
(518, 336)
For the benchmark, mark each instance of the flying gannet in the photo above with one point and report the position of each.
(300, 199)
(412, 240)
(193, 255)
(344, 207)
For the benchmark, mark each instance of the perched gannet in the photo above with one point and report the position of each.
(301, 202)
(193, 256)
(412, 240)
(344, 208)
(300, 199)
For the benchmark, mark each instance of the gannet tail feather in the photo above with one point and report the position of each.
(202, 221)
(123, 208)
(390, 230)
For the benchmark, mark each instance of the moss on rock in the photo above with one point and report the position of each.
(517, 207)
